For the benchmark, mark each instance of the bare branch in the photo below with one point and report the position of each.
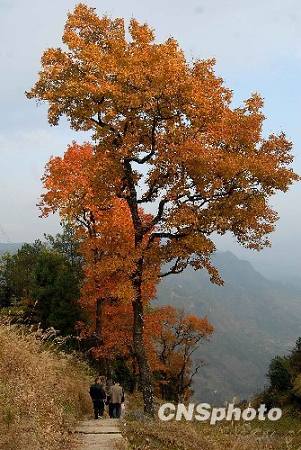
(169, 235)
(176, 268)
(144, 159)
(153, 145)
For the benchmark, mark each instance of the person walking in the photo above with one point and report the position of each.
(116, 398)
(108, 402)
(98, 397)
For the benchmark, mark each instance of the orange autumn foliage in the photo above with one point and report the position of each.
(207, 162)
(118, 329)
(179, 336)
(103, 225)
(106, 234)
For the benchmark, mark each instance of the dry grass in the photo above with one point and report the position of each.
(143, 434)
(42, 393)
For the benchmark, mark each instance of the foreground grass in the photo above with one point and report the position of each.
(143, 434)
(42, 393)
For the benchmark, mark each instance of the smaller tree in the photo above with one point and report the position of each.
(56, 293)
(284, 375)
(179, 338)
(295, 358)
(67, 243)
(297, 388)
(16, 274)
(279, 374)
(42, 285)
(7, 290)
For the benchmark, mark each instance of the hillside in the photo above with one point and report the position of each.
(43, 392)
(254, 319)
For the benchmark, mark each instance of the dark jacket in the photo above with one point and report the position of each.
(97, 392)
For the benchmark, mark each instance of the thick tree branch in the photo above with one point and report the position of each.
(131, 199)
(100, 123)
(153, 145)
(176, 268)
(152, 191)
(144, 159)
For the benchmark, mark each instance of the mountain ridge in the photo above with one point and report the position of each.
(9, 247)
(254, 319)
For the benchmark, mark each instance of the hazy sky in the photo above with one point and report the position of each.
(257, 46)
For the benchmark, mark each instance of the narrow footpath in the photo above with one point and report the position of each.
(101, 434)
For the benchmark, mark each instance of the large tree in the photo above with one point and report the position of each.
(167, 139)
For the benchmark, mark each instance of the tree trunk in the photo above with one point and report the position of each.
(134, 384)
(99, 320)
(108, 366)
(139, 349)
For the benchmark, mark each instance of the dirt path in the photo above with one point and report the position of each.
(101, 434)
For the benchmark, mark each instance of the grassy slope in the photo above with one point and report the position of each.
(145, 434)
(42, 393)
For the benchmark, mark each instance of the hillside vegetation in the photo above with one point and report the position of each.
(155, 435)
(42, 393)
(144, 434)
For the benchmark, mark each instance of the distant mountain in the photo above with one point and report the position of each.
(9, 247)
(254, 319)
